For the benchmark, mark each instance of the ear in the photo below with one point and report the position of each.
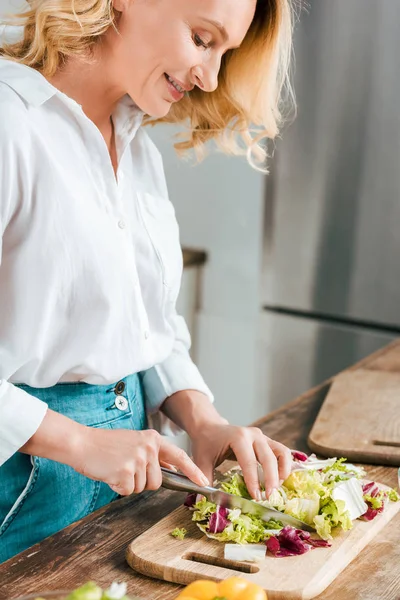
(121, 5)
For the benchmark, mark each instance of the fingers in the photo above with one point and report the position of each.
(124, 486)
(244, 452)
(285, 460)
(269, 464)
(154, 477)
(252, 448)
(178, 457)
(140, 477)
(167, 466)
(206, 466)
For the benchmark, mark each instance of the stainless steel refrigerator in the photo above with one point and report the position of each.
(331, 259)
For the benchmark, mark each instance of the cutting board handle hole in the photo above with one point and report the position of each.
(388, 444)
(221, 562)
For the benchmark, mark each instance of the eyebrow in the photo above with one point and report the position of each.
(218, 26)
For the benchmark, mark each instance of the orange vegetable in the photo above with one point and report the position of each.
(234, 588)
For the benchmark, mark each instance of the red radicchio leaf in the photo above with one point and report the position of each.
(292, 542)
(319, 543)
(273, 545)
(218, 520)
(300, 456)
(371, 489)
(370, 514)
(190, 500)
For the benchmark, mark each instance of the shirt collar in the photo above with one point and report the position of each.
(27, 82)
(35, 90)
(127, 117)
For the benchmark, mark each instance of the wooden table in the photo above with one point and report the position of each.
(94, 548)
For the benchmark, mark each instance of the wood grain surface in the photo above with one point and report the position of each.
(95, 547)
(292, 578)
(360, 418)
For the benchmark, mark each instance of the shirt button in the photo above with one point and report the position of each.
(121, 224)
(120, 387)
(121, 403)
(146, 335)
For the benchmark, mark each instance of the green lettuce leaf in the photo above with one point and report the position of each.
(305, 484)
(333, 513)
(203, 510)
(88, 591)
(179, 533)
(236, 486)
(376, 502)
(393, 496)
(244, 529)
(304, 509)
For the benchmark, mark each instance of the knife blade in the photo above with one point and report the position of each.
(178, 482)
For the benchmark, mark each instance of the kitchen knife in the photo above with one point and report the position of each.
(180, 483)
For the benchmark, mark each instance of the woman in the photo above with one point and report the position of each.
(92, 350)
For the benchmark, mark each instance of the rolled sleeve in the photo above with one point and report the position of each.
(20, 417)
(175, 374)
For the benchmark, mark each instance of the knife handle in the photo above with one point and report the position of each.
(180, 483)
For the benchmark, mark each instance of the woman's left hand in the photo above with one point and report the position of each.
(212, 445)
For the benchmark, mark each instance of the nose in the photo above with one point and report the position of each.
(206, 76)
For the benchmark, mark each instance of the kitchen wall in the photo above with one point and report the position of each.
(12, 6)
(220, 209)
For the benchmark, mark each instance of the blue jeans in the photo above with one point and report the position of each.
(38, 496)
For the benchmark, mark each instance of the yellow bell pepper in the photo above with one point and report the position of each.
(234, 588)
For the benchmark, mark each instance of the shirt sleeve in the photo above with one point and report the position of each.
(20, 413)
(20, 417)
(177, 373)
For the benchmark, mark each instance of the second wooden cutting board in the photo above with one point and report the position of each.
(360, 418)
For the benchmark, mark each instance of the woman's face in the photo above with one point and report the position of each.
(167, 47)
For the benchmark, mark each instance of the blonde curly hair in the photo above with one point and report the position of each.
(246, 107)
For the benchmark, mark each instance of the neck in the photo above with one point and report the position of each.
(88, 83)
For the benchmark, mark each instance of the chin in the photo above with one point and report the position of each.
(156, 110)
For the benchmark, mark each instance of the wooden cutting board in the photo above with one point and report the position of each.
(157, 554)
(360, 418)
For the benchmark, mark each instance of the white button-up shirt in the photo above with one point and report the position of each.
(90, 263)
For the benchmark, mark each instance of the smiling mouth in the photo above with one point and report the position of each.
(176, 85)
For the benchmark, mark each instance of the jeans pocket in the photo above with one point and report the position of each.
(18, 479)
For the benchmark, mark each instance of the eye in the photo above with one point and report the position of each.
(200, 42)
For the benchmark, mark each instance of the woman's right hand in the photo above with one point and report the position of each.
(129, 461)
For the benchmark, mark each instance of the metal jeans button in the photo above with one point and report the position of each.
(121, 403)
(120, 388)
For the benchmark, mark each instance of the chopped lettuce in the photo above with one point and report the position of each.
(179, 533)
(91, 591)
(376, 499)
(219, 520)
(292, 542)
(305, 484)
(249, 552)
(203, 510)
(236, 486)
(116, 591)
(332, 514)
(239, 528)
(88, 591)
(277, 499)
(351, 493)
(305, 509)
(373, 502)
(299, 456)
(326, 494)
(393, 496)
